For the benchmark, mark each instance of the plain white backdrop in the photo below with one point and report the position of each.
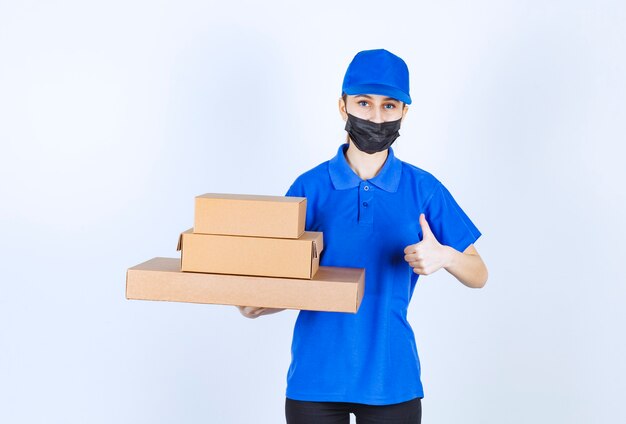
(114, 115)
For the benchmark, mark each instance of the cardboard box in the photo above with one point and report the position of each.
(332, 289)
(260, 256)
(250, 215)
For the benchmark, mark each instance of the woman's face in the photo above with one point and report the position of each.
(372, 107)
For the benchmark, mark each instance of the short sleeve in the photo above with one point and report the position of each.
(296, 190)
(448, 221)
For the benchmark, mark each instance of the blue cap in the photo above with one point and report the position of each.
(377, 72)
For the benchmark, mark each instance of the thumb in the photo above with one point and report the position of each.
(426, 231)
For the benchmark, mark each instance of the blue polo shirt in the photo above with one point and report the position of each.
(369, 357)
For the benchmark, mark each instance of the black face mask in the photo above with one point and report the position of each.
(370, 137)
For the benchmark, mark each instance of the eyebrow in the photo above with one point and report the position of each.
(367, 96)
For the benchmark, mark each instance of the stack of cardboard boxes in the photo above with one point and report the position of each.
(250, 251)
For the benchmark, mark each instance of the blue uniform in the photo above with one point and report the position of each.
(369, 357)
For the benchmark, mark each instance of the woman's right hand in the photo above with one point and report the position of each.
(255, 311)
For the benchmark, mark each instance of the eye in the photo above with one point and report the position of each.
(363, 103)
(389, 106)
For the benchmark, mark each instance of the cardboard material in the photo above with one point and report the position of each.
(250, 215)
(332, 289)
(260, 256)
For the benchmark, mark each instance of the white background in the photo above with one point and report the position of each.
(114, 115)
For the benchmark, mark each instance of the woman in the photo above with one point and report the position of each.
(396, 221)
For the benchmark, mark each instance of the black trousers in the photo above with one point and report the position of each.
(300, 412)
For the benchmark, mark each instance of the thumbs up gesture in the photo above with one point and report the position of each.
(428, 255)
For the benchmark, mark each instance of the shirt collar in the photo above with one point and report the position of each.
(343, 177)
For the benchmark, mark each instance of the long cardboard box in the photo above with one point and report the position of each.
(250, 215)
(260, 256)
(332, 289)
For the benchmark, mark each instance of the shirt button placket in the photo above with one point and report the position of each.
(366, 198)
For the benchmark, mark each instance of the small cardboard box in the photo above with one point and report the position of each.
(260, 256)
(332, 289)
(250, 215)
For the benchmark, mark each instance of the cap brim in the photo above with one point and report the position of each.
(383, 90)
